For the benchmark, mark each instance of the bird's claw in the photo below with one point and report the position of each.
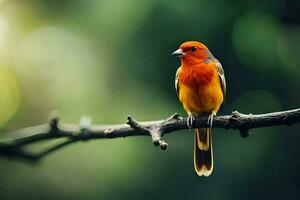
(190, 120)
(211, 119)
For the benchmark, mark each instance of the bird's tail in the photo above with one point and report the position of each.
(203, 152)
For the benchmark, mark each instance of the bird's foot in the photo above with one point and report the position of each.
(211, 119)
(190, 120)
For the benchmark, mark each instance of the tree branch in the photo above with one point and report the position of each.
(156, 129)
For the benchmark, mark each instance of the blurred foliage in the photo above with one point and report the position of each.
(108, 59)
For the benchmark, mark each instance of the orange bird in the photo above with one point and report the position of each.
(201, 87)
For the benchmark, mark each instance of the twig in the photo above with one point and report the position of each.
(156, 129)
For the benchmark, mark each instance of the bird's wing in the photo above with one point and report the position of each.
(222, 77)
(177, 80)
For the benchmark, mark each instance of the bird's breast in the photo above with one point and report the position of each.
(200, 90)
(195, 77)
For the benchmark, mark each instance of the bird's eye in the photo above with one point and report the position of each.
(194, 49)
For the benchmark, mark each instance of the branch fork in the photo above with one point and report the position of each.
(155, 132)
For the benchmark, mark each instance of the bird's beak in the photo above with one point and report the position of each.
(178, 53)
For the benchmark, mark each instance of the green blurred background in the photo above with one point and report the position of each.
(108, 59)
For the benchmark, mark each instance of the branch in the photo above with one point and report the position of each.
(156, 129)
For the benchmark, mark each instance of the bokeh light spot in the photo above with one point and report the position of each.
(289, 48)
(255, 41)
(61, 61)
(3, 30)
(9, 95)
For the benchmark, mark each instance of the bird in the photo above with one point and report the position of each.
(201, 87)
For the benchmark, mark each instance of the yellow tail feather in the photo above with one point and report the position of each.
(203, 152)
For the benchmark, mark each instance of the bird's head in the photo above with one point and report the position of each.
(192, 51)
